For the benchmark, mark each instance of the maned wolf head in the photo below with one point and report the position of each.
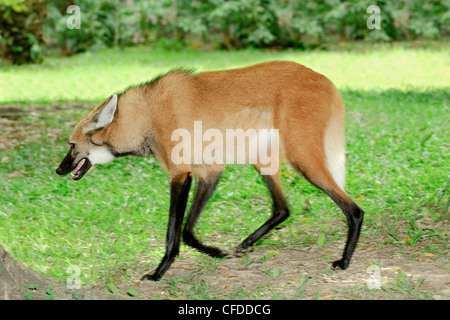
(84, 150)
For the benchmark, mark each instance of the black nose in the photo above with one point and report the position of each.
(59, 171)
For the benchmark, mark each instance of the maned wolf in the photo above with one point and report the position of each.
(302, 106)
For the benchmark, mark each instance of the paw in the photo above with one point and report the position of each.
(340, 264)
(152, 277)
(241, 251)
(217, 253)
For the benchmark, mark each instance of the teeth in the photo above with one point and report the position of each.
(79, 165)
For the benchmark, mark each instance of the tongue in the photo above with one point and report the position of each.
(78, 168)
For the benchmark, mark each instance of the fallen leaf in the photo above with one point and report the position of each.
(220, 267)
(112, 288)
(427, 255)
(132, 292)
(229, 275)
(366, 245)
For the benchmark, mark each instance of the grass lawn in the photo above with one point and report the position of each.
(112, 223)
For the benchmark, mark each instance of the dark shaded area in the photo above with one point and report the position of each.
(21, 31)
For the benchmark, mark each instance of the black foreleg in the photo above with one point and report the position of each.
(179, 192)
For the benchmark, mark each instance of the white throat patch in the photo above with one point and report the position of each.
(100, 155)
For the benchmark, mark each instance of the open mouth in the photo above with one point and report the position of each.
(82, 167)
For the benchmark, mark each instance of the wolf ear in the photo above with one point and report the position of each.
(104, 116)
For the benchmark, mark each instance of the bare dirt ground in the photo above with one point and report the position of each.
(265, 273)
(300, 273)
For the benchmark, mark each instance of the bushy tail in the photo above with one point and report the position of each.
(334, 144)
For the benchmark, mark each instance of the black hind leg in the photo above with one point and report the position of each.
(279, 214)
(203, 192)
(322, 179)
(354, 216)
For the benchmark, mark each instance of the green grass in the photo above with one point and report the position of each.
(92, 76)
(114, 219)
